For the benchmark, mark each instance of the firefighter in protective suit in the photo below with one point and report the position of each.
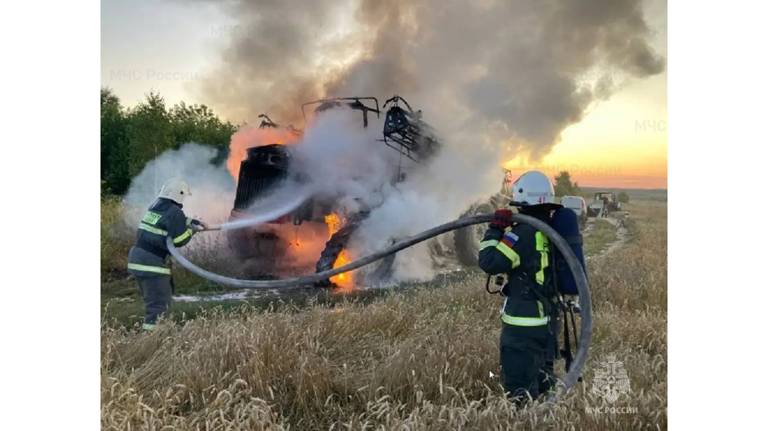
(148, 258)
(528, 343)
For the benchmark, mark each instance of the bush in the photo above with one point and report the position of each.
(116, 239)
(623, 197)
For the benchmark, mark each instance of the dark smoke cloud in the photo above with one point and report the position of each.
(268, 64)
(517, 72)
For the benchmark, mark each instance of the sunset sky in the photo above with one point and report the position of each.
(621, 143)
(170, 47)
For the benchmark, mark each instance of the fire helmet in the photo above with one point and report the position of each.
(175, 189)
(533, 188)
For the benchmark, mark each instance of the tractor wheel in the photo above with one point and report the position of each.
(332, 249)
(467, 240)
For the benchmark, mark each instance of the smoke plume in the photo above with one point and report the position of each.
(512, 72)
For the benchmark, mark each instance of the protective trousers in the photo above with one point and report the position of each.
(156, 292)
(527, 359)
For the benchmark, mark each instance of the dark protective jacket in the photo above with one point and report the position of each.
(147, 258)
(523, 253)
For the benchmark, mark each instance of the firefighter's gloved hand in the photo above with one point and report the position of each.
(197, 225)
(502, 219)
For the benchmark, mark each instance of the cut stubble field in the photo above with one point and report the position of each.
(419, 358)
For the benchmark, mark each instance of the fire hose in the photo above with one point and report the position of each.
(585, 301)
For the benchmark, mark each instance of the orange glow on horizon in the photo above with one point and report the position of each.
(596, 175)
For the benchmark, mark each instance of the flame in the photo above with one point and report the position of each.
(334, 223)
(345, 281)
(249, 137)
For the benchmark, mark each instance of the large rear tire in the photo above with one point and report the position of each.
(467, 240)
(331, 252)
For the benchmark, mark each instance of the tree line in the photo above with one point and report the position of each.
(131, 137)
(565, 187)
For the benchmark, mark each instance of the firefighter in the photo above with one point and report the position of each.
(147, 259)
(528, 341)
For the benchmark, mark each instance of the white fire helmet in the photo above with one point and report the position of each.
(533, 188)
(175, 189)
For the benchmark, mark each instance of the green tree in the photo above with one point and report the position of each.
(150, 131)
(115, 151)
(197, 123)
(132, 137)
(564, 186)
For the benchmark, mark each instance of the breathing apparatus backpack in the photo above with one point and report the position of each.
(566, 223)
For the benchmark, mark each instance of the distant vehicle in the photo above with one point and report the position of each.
(578, 205)
(603, 204)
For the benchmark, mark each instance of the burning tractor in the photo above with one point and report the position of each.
(318, 231)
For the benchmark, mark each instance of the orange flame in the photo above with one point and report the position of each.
(345, 281)
(334, 223)
(249, 137)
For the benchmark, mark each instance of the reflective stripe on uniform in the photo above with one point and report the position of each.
(149, 268)
(488, 243)
(151, 218)
(542, 246)
(187, 233)
(148, 326)
(148, 228)
(524, 321)
(511, 254)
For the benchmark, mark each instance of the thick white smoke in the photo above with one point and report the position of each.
(433, 194)
(213, 189)
(281, 201)
(346, 161)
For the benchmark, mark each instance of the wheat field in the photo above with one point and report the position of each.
(425, 358)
